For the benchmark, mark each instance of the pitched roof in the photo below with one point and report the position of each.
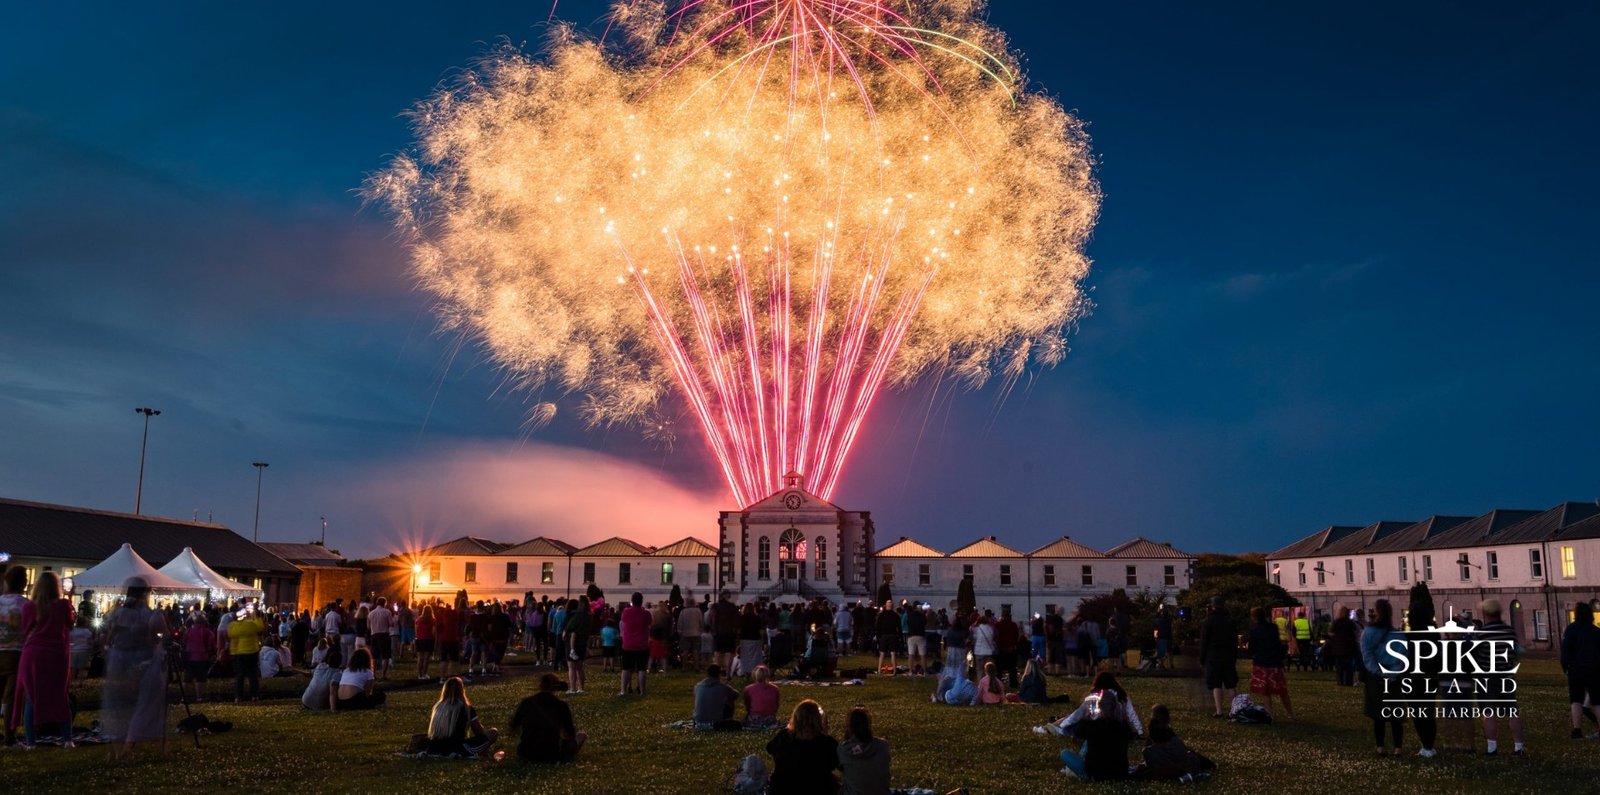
(541, 546)
(1065, 547)
(304, 554)
(466, 545)
(614, 547)
(1366, 536)
(986, 548)
(1547, 524)
(909, 548)
(690, 547)
(1588, 528)
(1143, 548)
(63, 531)
(1415, 536)
(1479, 530)
(1314, 542)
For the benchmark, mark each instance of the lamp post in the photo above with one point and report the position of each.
(261, 468)
(138, 496)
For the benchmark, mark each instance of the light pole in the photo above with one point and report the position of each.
(416, 568)
(138, 496)
(261, 468)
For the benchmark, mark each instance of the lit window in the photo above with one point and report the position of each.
(1049, 575)
(1569, 563)
(666, 574)
(472, 572)
(433, 572)
(547, 572)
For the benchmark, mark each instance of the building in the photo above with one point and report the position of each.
(67, 540)
(791, 545)
(1538, 564)
(324, 576)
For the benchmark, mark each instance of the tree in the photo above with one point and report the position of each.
(675, 598)
(1239, 593)
(1422, 613)
(966, 600)
(883, 593)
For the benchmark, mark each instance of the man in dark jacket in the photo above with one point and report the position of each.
(1006, 636)
(1580, 659)
(1219, 656)
(548, 733)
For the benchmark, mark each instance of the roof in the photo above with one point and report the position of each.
(690, 547)
(1315, 541)
(1548, 524)
(466, 545)
(1144, 548)
(1588, 528)
(1413, 537)
(542, 546)
(62, 531)
(614, 547)
(986, 548)
(1065, 547)
(1361, 539)
(1480, 530)
(909, 548)
(304, 554)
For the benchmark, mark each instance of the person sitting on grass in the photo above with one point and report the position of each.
(863, 757)
(355, 690)
(454, 728)
(548, 733)
(323, 679)
(1105, 733)
(761, 698)
(955, 688)
(991, 688)
(1103, 681)
(274, 659)
(713, 702)
(1034, 688)
(819, 653)
(804, 755)
(1166, 758)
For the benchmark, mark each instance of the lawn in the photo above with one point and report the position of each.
(275, 746)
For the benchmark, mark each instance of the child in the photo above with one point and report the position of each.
(610, 643)
(991, 688)
(658, 649)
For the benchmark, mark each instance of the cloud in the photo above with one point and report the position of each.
(515, 492)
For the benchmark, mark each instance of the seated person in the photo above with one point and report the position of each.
(991, 688)
(1103, 754)
(818, 659)
(713, 702)
(320, 653)
(548, 733)
(355, 690)
(1105, 681)
(454, 728)
(1166, 758)
(323, 679)
(1033, 688)
(761, 699)
(956, 689)
(274, 659)
(863, 758)
(804, 755)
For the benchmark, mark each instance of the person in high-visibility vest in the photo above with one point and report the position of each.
(1302, 639)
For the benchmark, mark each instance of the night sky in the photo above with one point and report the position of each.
(1345, 271)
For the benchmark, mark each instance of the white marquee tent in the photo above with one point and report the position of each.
(111, 576)
(189, 568)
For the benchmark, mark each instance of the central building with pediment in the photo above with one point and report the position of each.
(794, 543)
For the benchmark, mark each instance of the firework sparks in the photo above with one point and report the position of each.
(773, 207)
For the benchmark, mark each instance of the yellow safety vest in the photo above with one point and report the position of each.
(1302, 629)
(1283, 628)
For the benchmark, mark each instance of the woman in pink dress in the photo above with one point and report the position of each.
(42, 672)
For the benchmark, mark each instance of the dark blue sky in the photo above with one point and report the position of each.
(1346, 271)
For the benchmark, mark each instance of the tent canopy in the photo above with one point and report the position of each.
(111, 575)
(187, 567)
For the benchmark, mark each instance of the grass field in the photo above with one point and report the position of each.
(275, 746)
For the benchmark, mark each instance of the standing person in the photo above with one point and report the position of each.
(1375, 656)
(134, 699)
(1344, 646)
(299, 633)
(43, 666)
(1007, 636)
(379, 623)
(453, 725)
(535, 618)
(1502, 687)
(476, 642)
(199, 651)
(1117, 638)
(447, 637)
(425, 639)
(1304, 648)
(548, 733)
(348, 632)
(406, 622)
(843, 628)
(498, 638)
(1219, 656)
(888, 632)
(84, 641)
(956, 638)
(244, 647)
(983, 642)
(635, 628)
(724, 631)
(804, 755)
(12, 605)
(752, 629)
(1580, 661)
(863, 757)
(1163, 635)
(576, 633)
(1267, 678)
(1055, 641)
(690, 620)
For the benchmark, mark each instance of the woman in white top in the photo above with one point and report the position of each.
(983, 640)
(355, 690)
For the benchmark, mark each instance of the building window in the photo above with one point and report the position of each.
(1322, 573)
(1569, 563)
(1372, 572)
(1277, 574)
(792, 545)
(966, 569)
(888, 572)
(511, 572)
(1465, 564)
(702, 574)
(1169, 575)
(1427, 568)
(1405, 571)
(1302, 570)
(1088, 575)
(547, 573)
(1005, 609)
(1005, 574)
(1494, 565)
(726, 562)
(1541, 625)
(822, 558)
(1133, 575)
(764, 559)
(1050, 575)
(1349, 571)
(433, 572)
(666, 574)
(472, 572)
(1536, 564)
(924, 574)
(588, 572)
(624, 573)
